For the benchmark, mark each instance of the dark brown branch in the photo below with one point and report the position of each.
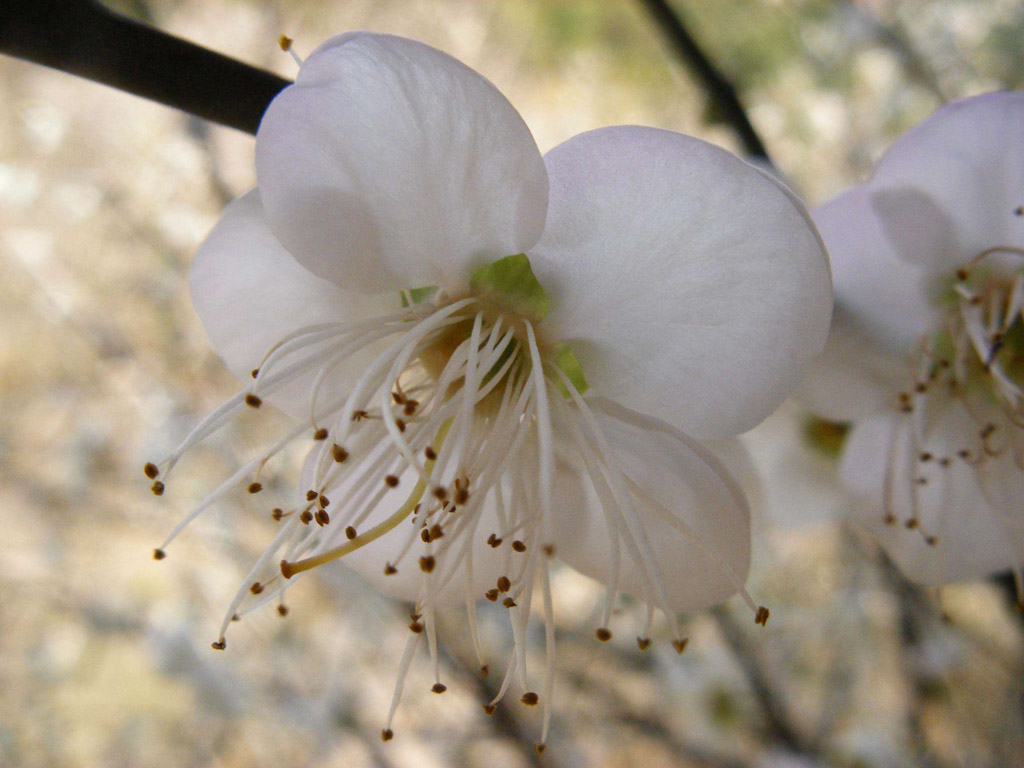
(718, 89)
(83, 38)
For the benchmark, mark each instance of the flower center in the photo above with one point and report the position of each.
(969, 372)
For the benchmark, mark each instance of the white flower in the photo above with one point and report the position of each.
(377, 285)
(926, 355)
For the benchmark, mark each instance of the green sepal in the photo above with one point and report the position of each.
(510, 286)
(412, 296)
(566, 361)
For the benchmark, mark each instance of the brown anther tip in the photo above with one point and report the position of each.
(389, 569)
(255, 487)
(518, 546)
(603, 634)
(350, 533)
(425, 536)
(549, 550)
(436, 531)
(1018, 211)
(282, 611)
(284, 42)
(398, 397)
(410, 408)
(931, 541)
(277, 513)
(236, 617)
(761, 617)
(925, 456)
(530, 699)
(151, 470)
(438, 688)
(311, 495)
(504, 584)
(321, 434)
(359, 415)
(415, 627)
(911, 524)
(254, 372)
(430, 453)
(286, 569)
(490, 709)
(322, 518)
(159, 554)
(540, 748)
(340, 454)
(680, 644)
(427, 563)
(508, 602)
(157, 488)
(400, 423)
(461, 496)
(387, 734)
(484, 670)
(391, 481)
(324, 501)
(256, 588)
(961, 274)
(253, 401)
(890, 519)
(643, 643)
(493, 540)
(492, 595)
(219, 645)
(440, 493)
(306, 517)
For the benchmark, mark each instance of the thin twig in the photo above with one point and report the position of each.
(83, 38)
(717, 87)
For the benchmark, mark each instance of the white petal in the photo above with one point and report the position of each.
(967, 163)
(974, 538)
(249, 293)
(689, 285)
(391, 165)
(690, 484)
(881, 294)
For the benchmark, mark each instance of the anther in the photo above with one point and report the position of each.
(518, 546)
(253, 401)
(427, 563)
(490, 709)
(400, 424)
(350, 532)
(889, 519)
(540, 748)
(504, 585)
(425, 535)
(911, 524)
(508, 602)
(322, 518)
(436, 532)
(254, 372)
(603, 634)
(398, 397)
(549, 550)
(761, 617)
(387, 734)
(255, 487)
(410, 408)
(159, 554)
(277, 513)
(306, 517)
(219, 645)
(235, 617)
(493, 540)
(430, 453)
(492, 595)
(282, 610)
(324, 501)
(256, 588)
(286, 569)
(321, 434)
(1018, 211)
(389, 569)
(391, 481)
(151, 470)
(461, 496)
(157, 488)
(530, 699)
(961, 275)
(440, 493)
(484, 670)
(311, 495)
(925, 456)
(439, 688)
(340, 454)
(643, 643)
(415, 627)
(359, 415)
(931, 541)
(680, 644)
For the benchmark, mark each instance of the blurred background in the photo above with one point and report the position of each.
(105, 654)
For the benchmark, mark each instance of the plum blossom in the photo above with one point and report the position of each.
(500, 359)
(926, 356)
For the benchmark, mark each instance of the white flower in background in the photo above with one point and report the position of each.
(430, 299)
(926, 355)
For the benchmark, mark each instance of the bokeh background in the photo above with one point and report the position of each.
(104, 653)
